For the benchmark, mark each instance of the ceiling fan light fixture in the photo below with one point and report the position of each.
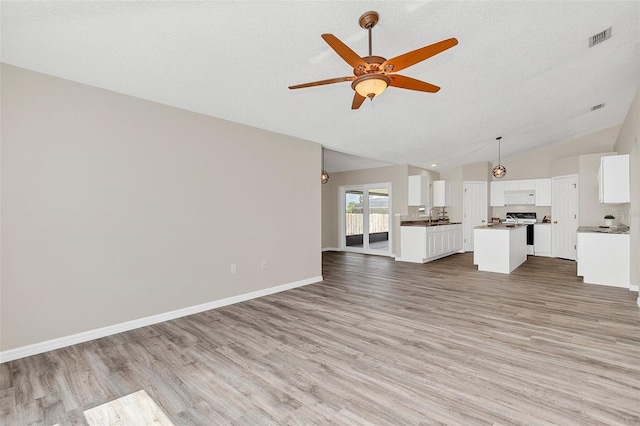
(370, 85)
(499, 171)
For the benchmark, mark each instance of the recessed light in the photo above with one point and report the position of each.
(433, 165)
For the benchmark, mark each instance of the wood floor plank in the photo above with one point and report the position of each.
(377, 342)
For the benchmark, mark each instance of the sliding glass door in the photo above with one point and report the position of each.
(365, 219)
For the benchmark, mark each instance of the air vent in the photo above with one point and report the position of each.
(600, 37)
(593, 108)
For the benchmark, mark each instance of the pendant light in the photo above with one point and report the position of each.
(324, 177)
(499, 171)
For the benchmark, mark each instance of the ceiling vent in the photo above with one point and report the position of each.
(600, 37)
(593, 108)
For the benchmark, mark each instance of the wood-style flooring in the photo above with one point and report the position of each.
(378, 342)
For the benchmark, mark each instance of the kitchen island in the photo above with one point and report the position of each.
(500, 247)
(604, 255)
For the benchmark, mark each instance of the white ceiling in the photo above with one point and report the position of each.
(521, 70)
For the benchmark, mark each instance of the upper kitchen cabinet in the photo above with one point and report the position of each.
(543, 192)
(441, 193)
(497, 193)
(613, 179)
(520, 185)
(418, 191)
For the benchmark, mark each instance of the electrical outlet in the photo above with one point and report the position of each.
(263, 264)
(233, 268)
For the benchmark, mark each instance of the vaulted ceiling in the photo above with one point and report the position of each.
(522, 70)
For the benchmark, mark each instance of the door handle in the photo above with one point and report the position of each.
(555, 221)
(482, 220)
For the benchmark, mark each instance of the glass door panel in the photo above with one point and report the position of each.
(354, 218)
(378, 219)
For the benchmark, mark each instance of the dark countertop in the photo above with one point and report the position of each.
(427, 223)
(501, 226)
(603, 230)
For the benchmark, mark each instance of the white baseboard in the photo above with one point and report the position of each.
(634, 287)
(330, 249)
(49, 345)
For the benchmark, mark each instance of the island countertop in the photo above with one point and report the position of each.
(427, 223)
(501, 226)
(604, 230)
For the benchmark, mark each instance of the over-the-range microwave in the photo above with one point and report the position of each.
(519, 198)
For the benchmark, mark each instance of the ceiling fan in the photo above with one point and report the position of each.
(373, 74)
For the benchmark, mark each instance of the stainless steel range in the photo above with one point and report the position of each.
(524, 218)
(528, 218)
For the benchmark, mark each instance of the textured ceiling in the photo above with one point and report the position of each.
(522, 70)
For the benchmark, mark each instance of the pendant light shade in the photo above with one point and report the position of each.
(324, 177)
(499, 171)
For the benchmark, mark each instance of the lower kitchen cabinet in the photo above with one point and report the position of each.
(421, 244)
(542, 239)
(604, 258)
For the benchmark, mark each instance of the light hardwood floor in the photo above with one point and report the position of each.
(378, 342)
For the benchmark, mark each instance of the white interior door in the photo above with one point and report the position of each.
(475, 210)
(564, 216)
(365, 218)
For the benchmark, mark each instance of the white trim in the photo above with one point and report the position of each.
(634, 287)
(61, 342)
(330, 249)
(638, 301)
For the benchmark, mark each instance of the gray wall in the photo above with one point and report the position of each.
(628, 142)
(579, 156)
(115, 208)
(396, 175)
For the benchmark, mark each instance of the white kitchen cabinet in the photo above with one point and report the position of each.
(497, 194)
(520, 185)
(512, 185)
(527, 184)
(542, 239)
(604, 258)
(441, 193)
(543, 192)
(418, 191)
(613, 179)
(421, 244)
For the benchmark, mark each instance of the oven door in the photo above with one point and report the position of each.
(530, 238)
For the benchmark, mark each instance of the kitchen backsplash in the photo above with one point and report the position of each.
(540, 212)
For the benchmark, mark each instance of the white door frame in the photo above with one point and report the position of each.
(468, 225)
(365, 235)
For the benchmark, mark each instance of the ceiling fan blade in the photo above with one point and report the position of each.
(403, 82)
(321, 82)
(357, 100)
(411, 58)
(350, 57)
